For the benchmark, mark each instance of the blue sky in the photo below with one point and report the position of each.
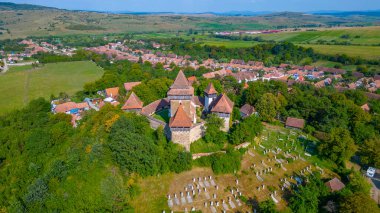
(207, 5)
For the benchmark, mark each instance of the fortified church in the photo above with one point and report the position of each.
(185, 126)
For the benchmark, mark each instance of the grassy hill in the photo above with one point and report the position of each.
(22, 84)
(26, 20)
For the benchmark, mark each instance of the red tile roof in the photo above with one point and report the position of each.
(181, 81)
(247, 109)
(133, 102)
(62, 108)
(365, 107)
(129, 86)
(181, 86)
(210, 90)
(112, 92)
(192, 79)
(180, 119)
(155, 106)
(335, 185)
(295, 122)
(223, 105)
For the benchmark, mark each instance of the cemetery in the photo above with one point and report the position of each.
(274, 163)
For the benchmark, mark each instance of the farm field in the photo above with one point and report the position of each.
(22, 84)
(354, 35)
(366, 52)
(293, 145)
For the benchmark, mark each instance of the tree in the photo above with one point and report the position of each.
(358, 183)
(214, 134)
(267, 206)
(339, 147)
(133, 150)
(370, 152)
(267, 107)
(358, 203)
(246, 130)
(307, 198)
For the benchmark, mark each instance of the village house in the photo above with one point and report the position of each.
(247, 110)
(335, 185)
(112, 92)
(129, 86)
(366, 108)
(133, 104)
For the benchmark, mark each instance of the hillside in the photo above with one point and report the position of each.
(18, 21)
(13, 6)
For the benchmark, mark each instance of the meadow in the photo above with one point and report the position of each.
(364, 42)
(354, 35)
(23, 84)
(366, 52)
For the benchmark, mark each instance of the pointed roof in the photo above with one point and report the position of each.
(210, 90)
(181, 86)
(180, 119)
(181, 81)
(335, 185)
(223, 105)
(133, 102)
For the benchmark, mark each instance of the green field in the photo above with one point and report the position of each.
(22, 84)
(356, 36)
(367, 52)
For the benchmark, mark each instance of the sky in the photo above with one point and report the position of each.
(208, 5)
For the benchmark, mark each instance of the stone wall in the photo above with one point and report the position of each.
(155, 123)
(226, 126)
(186, 138)
(197, 132)
(182, 138)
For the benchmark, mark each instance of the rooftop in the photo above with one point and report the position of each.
(133, 102)
(223, 105)
(180, 119)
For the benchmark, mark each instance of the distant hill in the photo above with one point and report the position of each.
(375, 13)
(23, 20)
(13, 6)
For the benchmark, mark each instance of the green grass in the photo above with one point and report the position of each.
(358, 36)
(23, 84)
(201, 146)
(162, 115)
(366, 52)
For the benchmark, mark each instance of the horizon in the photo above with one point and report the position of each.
(206, 6)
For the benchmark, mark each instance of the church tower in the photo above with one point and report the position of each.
(210, 95)
(182, 93)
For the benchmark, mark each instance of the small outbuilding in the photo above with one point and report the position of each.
(247, 110)
(335, 185)
(295, 123)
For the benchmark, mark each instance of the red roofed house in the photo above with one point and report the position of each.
(112, 92)
(133, 104)
(129, 86)
(335, 185)
(223, 107)
(71, 108)
(192, 80)
(366, 108)
(295, 123)
(247, 110)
